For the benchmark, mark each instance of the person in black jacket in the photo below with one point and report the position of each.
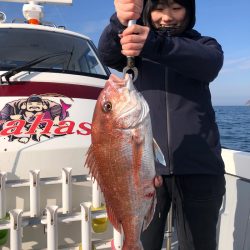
(176, 65)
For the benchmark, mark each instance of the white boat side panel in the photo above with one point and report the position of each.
(52, 153)
(234, 220)
(237, 163)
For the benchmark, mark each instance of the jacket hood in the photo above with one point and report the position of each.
(189, 5)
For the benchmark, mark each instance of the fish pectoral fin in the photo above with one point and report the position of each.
(159, 156)
(113, 219)
(149, 216)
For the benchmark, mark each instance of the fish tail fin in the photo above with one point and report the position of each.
(136, 246)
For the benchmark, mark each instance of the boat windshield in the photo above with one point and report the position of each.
(76, 55)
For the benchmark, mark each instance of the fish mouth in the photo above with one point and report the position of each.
(129, 83)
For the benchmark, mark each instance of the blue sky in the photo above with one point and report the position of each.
(227, 21)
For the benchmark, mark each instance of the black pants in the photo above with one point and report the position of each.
(196, 202)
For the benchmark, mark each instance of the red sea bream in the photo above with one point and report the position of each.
(121, 158)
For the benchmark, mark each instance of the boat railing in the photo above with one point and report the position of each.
(51, 216)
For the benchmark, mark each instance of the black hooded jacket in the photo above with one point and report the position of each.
(174, 77)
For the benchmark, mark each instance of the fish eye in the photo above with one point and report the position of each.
(107, 106)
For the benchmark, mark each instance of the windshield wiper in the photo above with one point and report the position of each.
(28, 65)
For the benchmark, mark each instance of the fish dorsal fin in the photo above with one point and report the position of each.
(149, 216)
(91, 163)
(113, 219)
(159, 157)
(93, 169)
(93, 166)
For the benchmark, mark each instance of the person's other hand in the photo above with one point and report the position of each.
(158, 181)
(128, 10)
(133, 39)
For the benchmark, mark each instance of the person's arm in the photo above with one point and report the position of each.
(109, 44)
(199, 59)
(109, 47)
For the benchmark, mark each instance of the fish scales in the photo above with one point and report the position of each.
(121, 158)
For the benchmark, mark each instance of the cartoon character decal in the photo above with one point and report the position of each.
(32, 118)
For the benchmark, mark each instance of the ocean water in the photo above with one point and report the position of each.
(234, 126)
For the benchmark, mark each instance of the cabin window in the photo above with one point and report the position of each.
(58, 52)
